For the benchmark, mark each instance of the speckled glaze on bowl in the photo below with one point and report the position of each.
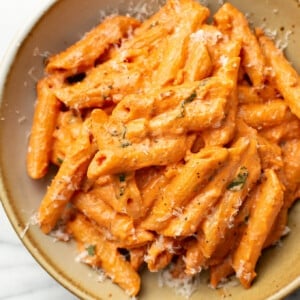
(51, 31)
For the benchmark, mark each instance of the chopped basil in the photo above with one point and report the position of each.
(122, 177)
(124, 132)
(122, 191)
(238, 183)
(91, 249)
(59, 160)
(124, 142)
(189, 99)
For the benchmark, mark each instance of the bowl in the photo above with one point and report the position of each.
(60, 25)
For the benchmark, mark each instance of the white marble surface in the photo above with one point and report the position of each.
(21, 278)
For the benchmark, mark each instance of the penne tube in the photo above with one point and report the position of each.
(67, 180)
(266, 208)
(270, 154)
(120, 192)
(99, 120)
(158, 101)
(67, 130)
(230, 20)
(248, 94)
(168, 17)
(43, 126)
(215, 225)
(196, 210)
(192, 178)
(160, 253)
(150, 187)
(139, 238)
(259, 115)
(291, 165)
(220, 264)
(107, 256)
(174, 51)
(103, 84)
(285, 76)
(92, 206)
(194, 258)
(288, 129)
(195, 116)
(83, 54)
(126, 157)
(137, 257)
(278, 229)
(198, 64)
(224, 134)
(220, 272)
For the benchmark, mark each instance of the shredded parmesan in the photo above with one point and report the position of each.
(183, 286)
(204, 36)
(33, 220)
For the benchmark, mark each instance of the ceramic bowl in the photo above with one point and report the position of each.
(62, 23)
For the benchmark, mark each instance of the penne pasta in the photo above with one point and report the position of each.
(83, 54)
(259, 115)
(196, 210)
(107, 255)
(67, 180)
(193, 176)
(44, 121)
(216, 225)
(129, 157)
(285, 76)
(230, 20)
(176, 141)
(91, 205)
(249, 249)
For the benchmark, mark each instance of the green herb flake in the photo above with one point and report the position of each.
(238, 183)
(122, 177)
(59, 160)
(124, 142)
(91, 250)
(122, 191)
(189, 99)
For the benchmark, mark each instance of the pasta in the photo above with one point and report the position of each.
(176, 142)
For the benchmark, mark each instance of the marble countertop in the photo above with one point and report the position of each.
(21, 277)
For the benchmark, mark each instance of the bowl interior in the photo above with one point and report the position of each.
(64, 23)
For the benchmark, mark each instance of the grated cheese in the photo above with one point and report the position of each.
(204, 36)
(43, 54)
(183, 286)
(283, 43)
(33, 220)
(60, 235)
(32, 75)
